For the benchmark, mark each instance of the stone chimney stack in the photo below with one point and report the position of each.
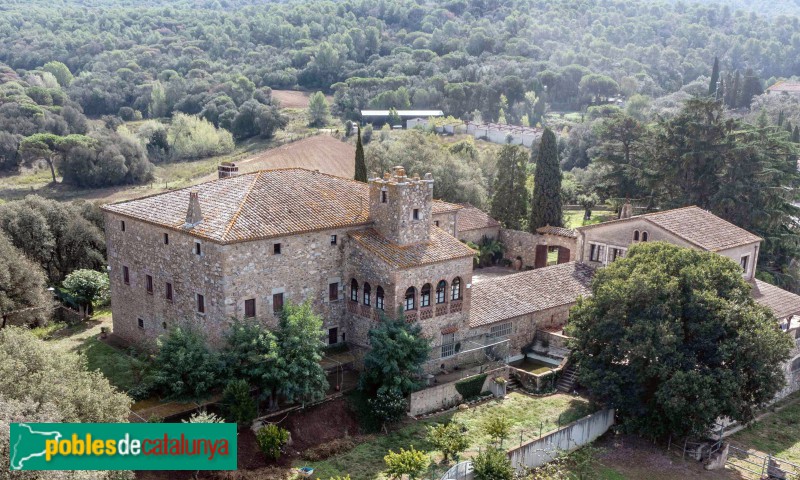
(227, 169)
(193, 214)
(627, 210)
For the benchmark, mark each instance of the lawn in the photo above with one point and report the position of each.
(777, 433)
(529, 416)
(574, 218)
(121, 369)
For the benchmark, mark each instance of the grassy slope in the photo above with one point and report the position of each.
(527, 414)
(777, 433)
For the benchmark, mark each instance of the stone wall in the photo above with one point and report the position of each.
(445, 395)
(477, 234)
(142, 249)
(792, 378)
(524, 327)
(446, 221)
(521, 246)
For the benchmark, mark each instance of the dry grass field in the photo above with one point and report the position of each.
(319, 152)
(294, 98)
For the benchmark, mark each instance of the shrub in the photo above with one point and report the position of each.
(185, 368)
(498, 428)
(238, 404)
(450, 438)
(388, 405)
(193, 137)
(492, 464)
(204, 416)
(409, 462)
(471, 387)
(271, 439)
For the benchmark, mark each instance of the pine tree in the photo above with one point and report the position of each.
(361, 164)
(712, 86)
(510, 199)
(546, 200)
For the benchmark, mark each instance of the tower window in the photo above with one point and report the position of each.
(276, 248)
(166, 239)
(140, 322)
(198, 250)
(333, 291)
(168, 292)
(149, 283)
(126, 276)
(384, 197)
(122, 225)
(201, 304)
(415, 214)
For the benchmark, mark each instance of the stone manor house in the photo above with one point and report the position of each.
(244, 245)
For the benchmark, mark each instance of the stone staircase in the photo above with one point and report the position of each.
(566, 382)
(513, 383)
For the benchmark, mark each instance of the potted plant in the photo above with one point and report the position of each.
(499, 387)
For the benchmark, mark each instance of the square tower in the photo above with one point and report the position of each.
(401, 206)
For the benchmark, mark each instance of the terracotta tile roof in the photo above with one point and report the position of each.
(784, 304)
(785, 87)
(695, 225)
(264, 204)
(560, 231)
(523, 293)
(441, 247)
(440, 206)
(473, 218)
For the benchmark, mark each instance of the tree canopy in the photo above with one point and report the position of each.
(672, 339)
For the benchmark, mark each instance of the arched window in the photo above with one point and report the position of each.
(367, 294)
(644, 236)
(379, 298)
(411, 298)
(353, 290)
(425, 296)
(455, 289)
(636, 235)
(441, 291)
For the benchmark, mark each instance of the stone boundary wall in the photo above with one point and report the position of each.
(539, 451)
(445, 395)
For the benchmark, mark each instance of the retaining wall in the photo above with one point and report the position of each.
(566, 439)
(445, 395)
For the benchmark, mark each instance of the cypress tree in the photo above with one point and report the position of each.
(750, 87)
(780, 118)
(510, 199)
(546, 200)
(361, 164)
(796, 134)
(712, 86)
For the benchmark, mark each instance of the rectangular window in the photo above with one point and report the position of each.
(201, 304)
(168, 291)
(277, 303)
(333, 336)
(126, 276)
(743, 262)
(379, 302)
(333, 291)
(448, 345)
(122, 225)
(333, 239)
(198, 250)
(500, 330)
(383, 196)
(415, 214)
(616, 253)
(148, 282)
(250, 307)
(166, 239)
(276, 248)
(140, 322)
(597, 252)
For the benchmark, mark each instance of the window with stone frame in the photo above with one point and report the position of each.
(636, 235)
(379, 298)
(166, 239)
(425, 296)
(455, 289)
(645, 236)
(201, 304)
(198, 250)
(501, 330)
(276, 248)
(384, 196)
(448, 345)
(277, 303)
(148, 283)
(168, 291)
(411, 299)
(140, 323)
(353, 290)
(126, 275)
(367, 294)
(415, 214)
(743, 262)
(122, 225)
(441, 291)
(250, 307)
(333, 291)
(614, 253)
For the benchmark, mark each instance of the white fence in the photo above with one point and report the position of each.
(544, 449)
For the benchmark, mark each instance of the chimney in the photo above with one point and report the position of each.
(227, 169)
(627, 210)
(193, 214)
